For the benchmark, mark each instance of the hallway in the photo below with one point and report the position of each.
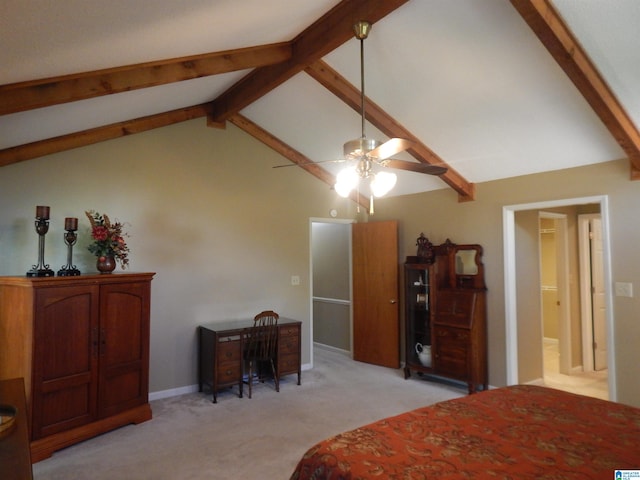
(592, 384)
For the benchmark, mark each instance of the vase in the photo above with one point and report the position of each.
(106, 264)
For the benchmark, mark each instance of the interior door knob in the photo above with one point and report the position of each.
(392, 301)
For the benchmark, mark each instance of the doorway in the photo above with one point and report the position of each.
(511, 298)
(554, 293)
(331, 292)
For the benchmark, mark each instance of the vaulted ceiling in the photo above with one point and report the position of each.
(489, 88)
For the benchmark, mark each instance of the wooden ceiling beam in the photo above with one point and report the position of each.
(18, 97)
(99, 134)
(323, 36)
(291, 154)
(339, 86)
(555, 35)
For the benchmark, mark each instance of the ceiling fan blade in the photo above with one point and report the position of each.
(414, 167)
(308, 163)
(390, 148)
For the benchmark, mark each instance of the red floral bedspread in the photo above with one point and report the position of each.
(519, 432)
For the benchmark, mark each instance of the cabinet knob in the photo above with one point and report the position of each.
(393, 301)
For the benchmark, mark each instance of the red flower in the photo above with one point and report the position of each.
(99, 233)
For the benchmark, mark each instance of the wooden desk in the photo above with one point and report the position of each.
(15, 454)
(220, 352)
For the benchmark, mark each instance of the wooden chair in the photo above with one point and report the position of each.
(261, 343)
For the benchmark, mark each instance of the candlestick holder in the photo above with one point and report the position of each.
(42, 227)
(69, 270)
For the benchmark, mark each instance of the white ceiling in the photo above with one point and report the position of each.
(467, 77)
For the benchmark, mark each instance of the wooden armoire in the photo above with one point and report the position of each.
(81, 344)
(445, 314)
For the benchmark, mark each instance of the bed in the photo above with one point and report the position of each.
(518, 432)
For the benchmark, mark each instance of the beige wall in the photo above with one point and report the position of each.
(225, 232)
(222, 229)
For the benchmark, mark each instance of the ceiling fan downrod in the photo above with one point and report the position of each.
(356, 149)
(362, 29)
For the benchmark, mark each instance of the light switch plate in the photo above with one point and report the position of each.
(295, 280)
(624, 289)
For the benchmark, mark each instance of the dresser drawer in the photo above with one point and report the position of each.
(452, 347)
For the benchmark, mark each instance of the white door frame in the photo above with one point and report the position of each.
(511, 318)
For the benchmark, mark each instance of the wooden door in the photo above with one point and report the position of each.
(376, 328)
(124, 346)
(65, 368)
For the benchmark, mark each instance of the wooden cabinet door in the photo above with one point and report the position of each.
(376, 327)
(124, 346)
(64, 388)
(452, 347)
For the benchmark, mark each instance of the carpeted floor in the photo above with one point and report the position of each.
(251, 439)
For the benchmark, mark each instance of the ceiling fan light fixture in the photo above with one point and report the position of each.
(382, 183)
(346, 180)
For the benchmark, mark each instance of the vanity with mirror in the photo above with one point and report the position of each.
(445, 313)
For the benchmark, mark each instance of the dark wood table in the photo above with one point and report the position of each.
(15, 453)
(220, 352)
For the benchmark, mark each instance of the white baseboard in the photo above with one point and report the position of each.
(173, 392)
(537, 381)
(331, 348)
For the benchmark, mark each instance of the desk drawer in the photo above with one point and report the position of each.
(289, 331)
(228, 374)
(229, 351)
(289, 363)
(289, 345)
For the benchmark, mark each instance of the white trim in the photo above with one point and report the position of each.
(331, 348)
(336, 301)
(172, 392)
(511, 333)
(511, 327)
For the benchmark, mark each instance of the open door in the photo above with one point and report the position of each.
(593, 293)
(598, 297)
(376, 326)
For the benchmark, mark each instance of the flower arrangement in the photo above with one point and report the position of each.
(108, 238)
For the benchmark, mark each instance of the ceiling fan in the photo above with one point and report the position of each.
(369, 152)
(372, 158)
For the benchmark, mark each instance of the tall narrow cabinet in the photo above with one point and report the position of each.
(82, 346)
(445, 315)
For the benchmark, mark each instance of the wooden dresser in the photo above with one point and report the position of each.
(82, 346)
(445, 315)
